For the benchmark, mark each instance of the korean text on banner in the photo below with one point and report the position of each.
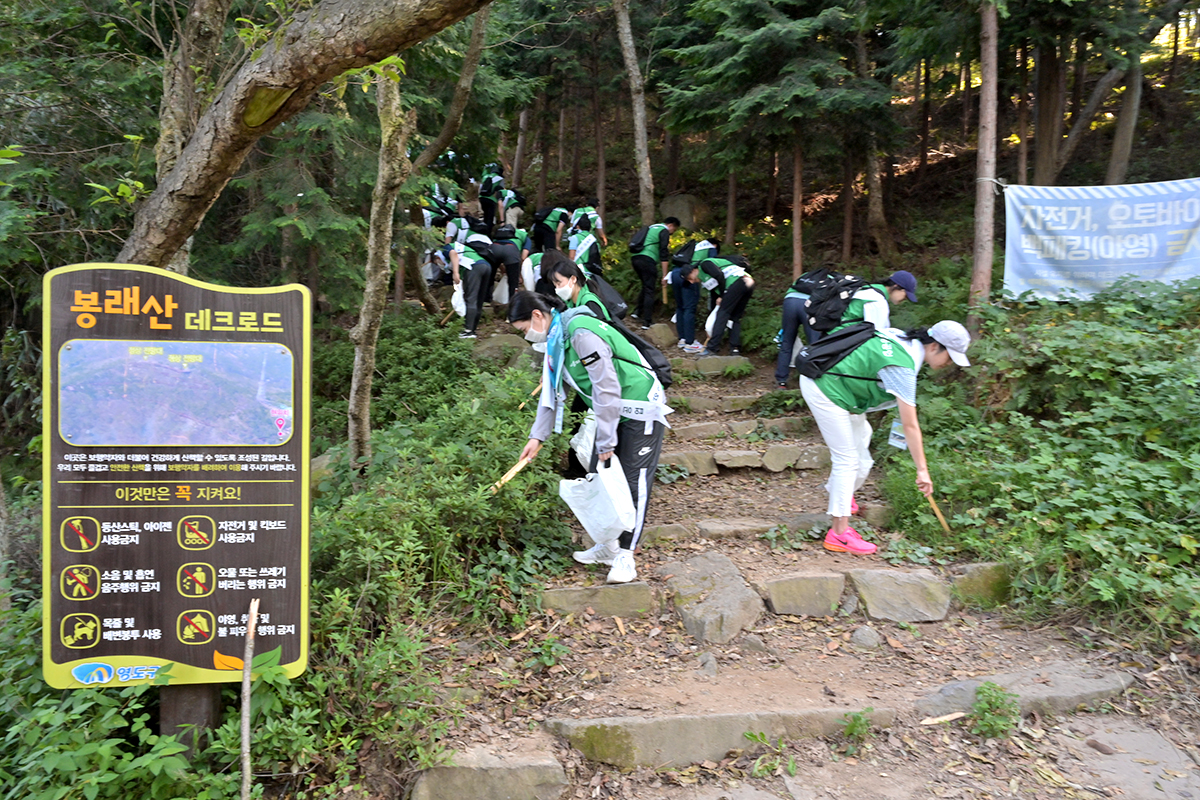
(1067, 241)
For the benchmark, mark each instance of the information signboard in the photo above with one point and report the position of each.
(176, 419)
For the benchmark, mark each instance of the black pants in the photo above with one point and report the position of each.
(733, 307)
(639, 453)
(489, 210)
(476, 282)
(543, 238)
(646, 269)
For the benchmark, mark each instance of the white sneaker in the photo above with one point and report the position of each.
(693, 348)
(604, 553)
(680, 344)
(623, 569)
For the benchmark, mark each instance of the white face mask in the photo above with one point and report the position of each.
(564, 292)
(535, 337)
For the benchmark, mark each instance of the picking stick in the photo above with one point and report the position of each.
(446, 318)
(938, 511)
(536, 389)
(508, 476)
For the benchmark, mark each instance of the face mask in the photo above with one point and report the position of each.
(564, 292)
(535, 337)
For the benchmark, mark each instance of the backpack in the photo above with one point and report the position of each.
(684, 256)
(541, 214)
(815, 360)
(829, 294)
(491, 184)
(659, 365)
(639, 239)
(616, 305)
(518, 199)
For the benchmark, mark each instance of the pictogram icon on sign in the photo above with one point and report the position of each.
(195, 580)
(80, 582)
(196, 626)
(196, 532)
(79, 631)
(79, 534)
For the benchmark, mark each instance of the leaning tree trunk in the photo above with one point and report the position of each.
(194, 55)
(797, 209)
(396, 127)
(1118, 163)
(330, 38)
(877, 224)
(637, 90)
(985, 194)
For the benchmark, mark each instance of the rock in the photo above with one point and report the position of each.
(799, 523)
(813, 457)
(664, 533)
(738, 458)
(738, 402)
(813, 594)
(986, 584)
(701, 405)
(865, 637)
(743, 427)
(613, 600)
(713, 600)
(687, 208)
(500, 348)
(753, 643)
(1049, 689)
(876, 515)
(708, 665)
(698, 462)
(781, 456)
(319, 469)
(849, 605)
(902, 596)
(701, 430)
(788, 426)
(716, 365)
(732, 528)
(530, 773)
(662, 336)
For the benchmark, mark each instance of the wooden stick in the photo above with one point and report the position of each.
(247, 658)
(938, 511)
(508, 476)
(536, 389)
(446, 318)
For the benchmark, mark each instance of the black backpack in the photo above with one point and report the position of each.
(639, 239)
(613, 302)
(518, 199)
(684, 256)
(541, 214)
(815, 360)
(829, 295)
(659, 364)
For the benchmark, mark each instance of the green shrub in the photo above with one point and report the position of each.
(995, 711)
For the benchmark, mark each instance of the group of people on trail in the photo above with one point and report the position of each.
(558, 298)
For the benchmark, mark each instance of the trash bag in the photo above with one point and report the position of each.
(584, 440)
(500, 295)
(528, 279)
(601, 501)
(712, 320)
(457, 301)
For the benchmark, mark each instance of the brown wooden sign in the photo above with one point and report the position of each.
(176, 419)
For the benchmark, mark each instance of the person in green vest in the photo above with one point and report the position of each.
(570, 286)
(878, 374)
(491, 184)
(730, 287)
(650, 261)
(611, 377)
(548, 225)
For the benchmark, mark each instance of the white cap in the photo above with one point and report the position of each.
(954, 337)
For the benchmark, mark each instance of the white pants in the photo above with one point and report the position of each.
(848, 437)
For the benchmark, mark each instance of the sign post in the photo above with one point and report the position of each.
(176, 476)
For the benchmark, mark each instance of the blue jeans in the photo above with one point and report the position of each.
(687, 300)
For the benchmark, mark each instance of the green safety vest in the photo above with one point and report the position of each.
(636, 381)
(730, 270)
(854, 310)
(855, 394)
(652, 248)
(586, 295)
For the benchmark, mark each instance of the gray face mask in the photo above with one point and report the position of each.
(535, 337)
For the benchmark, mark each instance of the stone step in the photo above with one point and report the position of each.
(774, 458)
(527, 769)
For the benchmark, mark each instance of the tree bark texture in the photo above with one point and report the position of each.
(522, 138)
(848, 177)
(322, 43)
(877, 224)
(985, 189)
(1023, 116)
(730, 209)
(797, 210)
(1047, 138)
(601, 175)
(1118, 163)
(637, 91)
(926, 113)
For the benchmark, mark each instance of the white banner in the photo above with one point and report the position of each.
(1065, 241)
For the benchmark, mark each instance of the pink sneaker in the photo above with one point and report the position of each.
(848, 542)
(853, 507)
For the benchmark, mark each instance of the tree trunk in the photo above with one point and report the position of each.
(322, 43)
(576, 150)
(5, 549)
(562, 134)
(637, 91)
(1174, 53)
(1023, 115)
(522, 138)
(730, 209)
(396, 127)
(877, 225)
(1078, 78)
(797, 210)
(773, 184)
(1048, 136)
(601, 177)
(966, 100)
(544, 139)
(848, 176)
(416, 216)
(985, 190)
(926, 91)
(672, 163)
(1118, 163)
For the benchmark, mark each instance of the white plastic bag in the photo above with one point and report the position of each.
(710, 321)
(457, 302)
(500, 294)
(601, 501)
(527, 278)
(584, 440)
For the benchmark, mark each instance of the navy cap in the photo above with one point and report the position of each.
(906, 281)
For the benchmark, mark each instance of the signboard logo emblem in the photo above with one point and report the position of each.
(93, 672)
